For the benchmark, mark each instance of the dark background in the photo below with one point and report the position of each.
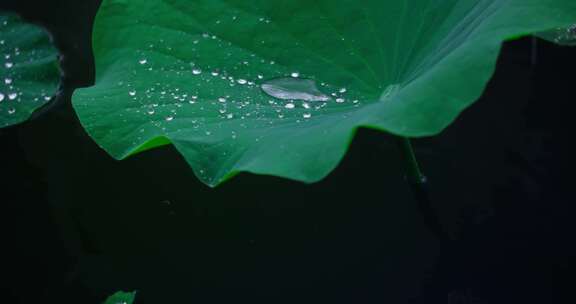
(77, 226)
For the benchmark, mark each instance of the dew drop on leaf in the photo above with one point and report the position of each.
(389, 91)
(293, 89)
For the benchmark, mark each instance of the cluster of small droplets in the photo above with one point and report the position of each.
(567, 35)
(11, 94)
(199, 95)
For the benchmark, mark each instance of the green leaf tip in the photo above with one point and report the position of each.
(121, 297)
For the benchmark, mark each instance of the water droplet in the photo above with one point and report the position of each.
(260, 77)
(289, 106)
(295, 74)
(389, 91)
(306, 105)
(196, 71)
(1, 96)
(11, 111)
(169, 118)
(293, 89)
(242, 81)
(222, 99)
(8, 65)
(8, 80)
(143, 61)
(150, 111)
(215, 73)
(12, 96)
(229, 115)
(342, 90)
(306, 115)
(132, 93)
(340, 100)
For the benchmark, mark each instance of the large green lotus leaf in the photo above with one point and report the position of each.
(29, 73)
(215, 77)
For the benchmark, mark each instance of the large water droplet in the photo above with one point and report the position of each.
(12, 96)
(389, 91)
(8, 65)
(7, 80)
(196, 71)
(1, 96)
(294, 89)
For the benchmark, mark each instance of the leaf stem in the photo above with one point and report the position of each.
(413, 172)
(419, 187)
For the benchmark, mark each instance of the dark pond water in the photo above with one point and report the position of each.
(77, 225)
